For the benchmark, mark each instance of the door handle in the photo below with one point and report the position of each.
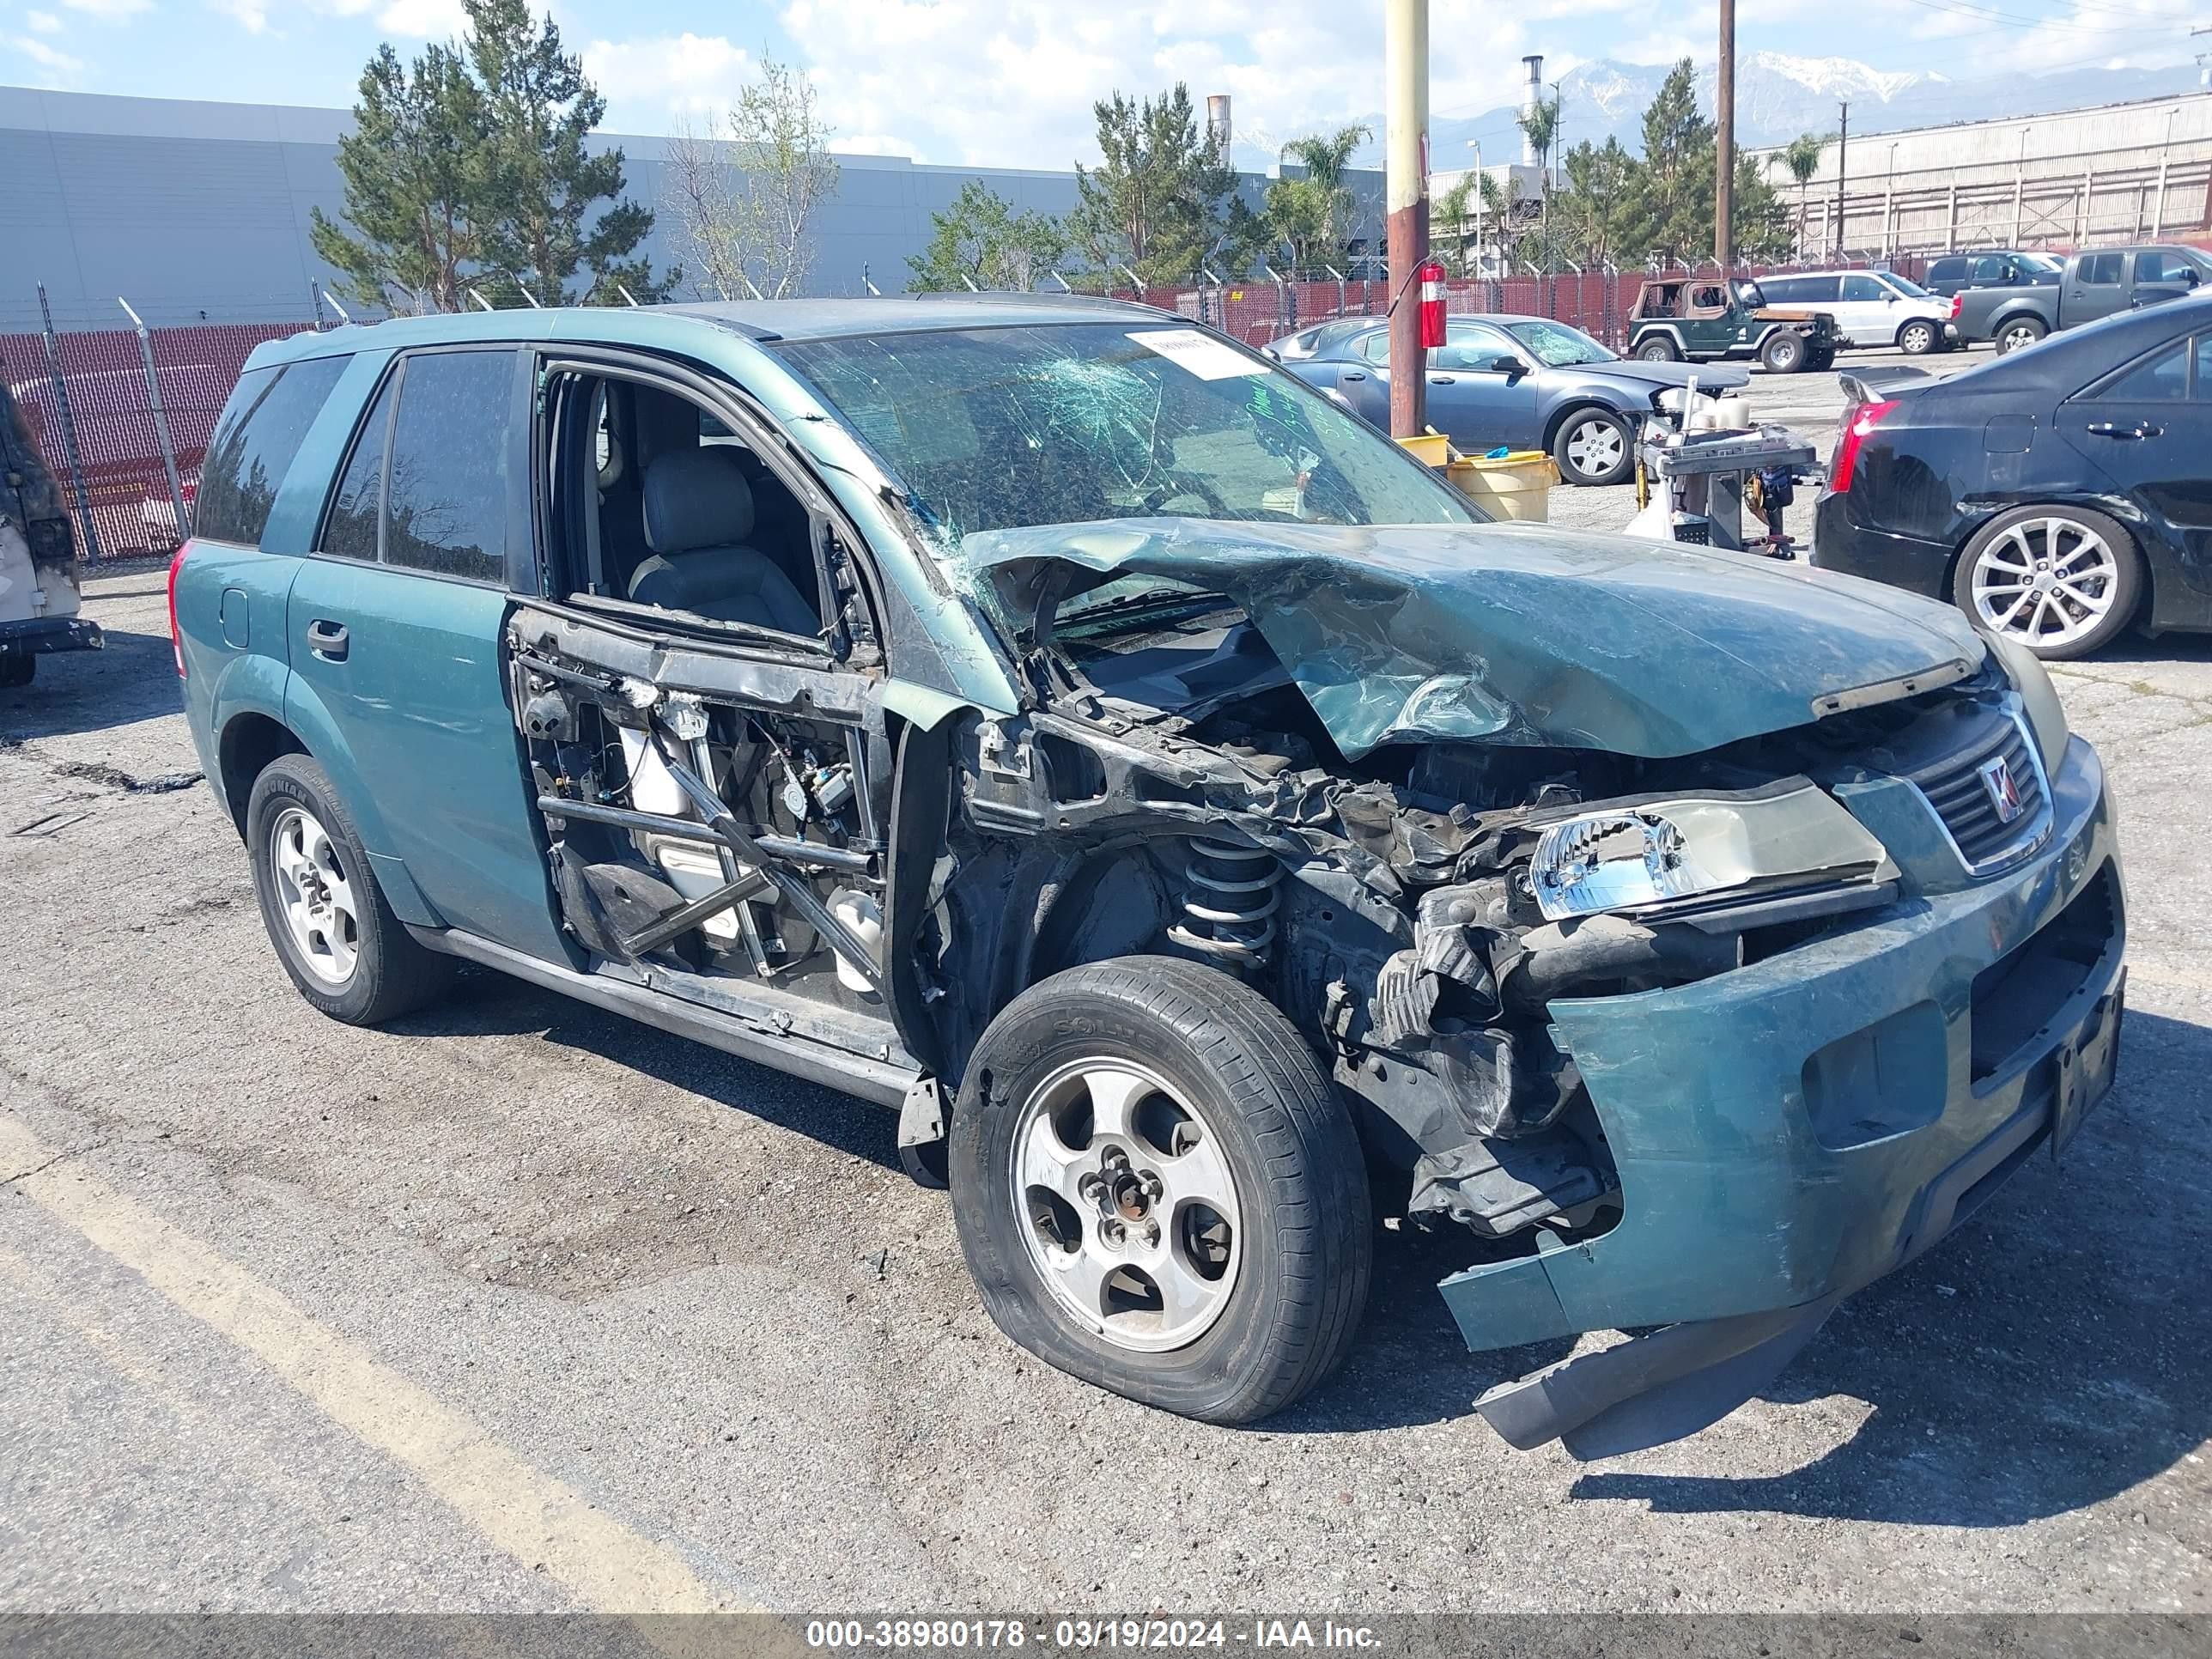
(1352, 375)
(2114, 429)
(328, 640)
(1440, 380)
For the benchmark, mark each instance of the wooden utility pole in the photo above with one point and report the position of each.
(1724, 145)
(1842, 149)
(1406, 191)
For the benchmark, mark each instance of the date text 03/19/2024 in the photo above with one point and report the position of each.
(1080, 1635)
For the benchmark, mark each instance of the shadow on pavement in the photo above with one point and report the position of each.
(134, 678)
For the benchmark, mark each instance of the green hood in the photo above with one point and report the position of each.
(1520, 633)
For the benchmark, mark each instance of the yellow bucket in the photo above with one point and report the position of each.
(1517, 485)
(1430, 448)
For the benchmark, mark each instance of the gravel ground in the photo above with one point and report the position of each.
(408, 1314)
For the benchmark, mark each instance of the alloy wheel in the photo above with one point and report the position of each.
(314, 896)
(2045, 582)
(1128, 1206)
(2020, 335)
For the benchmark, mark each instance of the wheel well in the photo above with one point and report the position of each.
(249, 742)
(1913, 322)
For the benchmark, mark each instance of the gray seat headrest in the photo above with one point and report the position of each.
(696, 498)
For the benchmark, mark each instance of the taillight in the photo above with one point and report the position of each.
(1857, 423)
(1958, 304)
(176, 633)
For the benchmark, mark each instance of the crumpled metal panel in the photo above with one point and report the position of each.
(1514, 634)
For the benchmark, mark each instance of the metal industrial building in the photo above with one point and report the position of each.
(199, 211)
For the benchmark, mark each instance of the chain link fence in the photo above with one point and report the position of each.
(123, 415)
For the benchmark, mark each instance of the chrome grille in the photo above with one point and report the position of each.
(1957, 787)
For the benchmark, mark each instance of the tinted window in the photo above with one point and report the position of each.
(1786, 290)
(2204, 368)
(447, 502)
(2100, 268)
(1864, 288)
(1992, 268)
(2160, 378)
(262, 426)
(2162, 267)
(350, 530)
(1947, 270)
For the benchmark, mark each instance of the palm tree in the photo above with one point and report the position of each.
(1801, 156)
(1497, 202)
(1325, 158)
(1540, 125)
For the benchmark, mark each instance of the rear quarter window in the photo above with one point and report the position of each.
(262, 426)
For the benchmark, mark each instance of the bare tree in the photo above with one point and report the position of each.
(747, 187)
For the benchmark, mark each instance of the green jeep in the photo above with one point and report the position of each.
(1680, 317)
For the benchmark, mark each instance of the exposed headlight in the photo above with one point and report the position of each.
(2038, 698)
(1689, 852)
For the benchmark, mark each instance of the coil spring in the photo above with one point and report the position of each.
(1228, 900)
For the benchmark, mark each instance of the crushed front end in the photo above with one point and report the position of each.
(1682, 1014)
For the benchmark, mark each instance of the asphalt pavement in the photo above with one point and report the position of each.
(517, 1306)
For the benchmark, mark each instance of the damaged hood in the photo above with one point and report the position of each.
(1514, 633)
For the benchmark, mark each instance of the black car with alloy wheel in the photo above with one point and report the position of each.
(2056, 495)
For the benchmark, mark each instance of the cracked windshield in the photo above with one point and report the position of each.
(1007, 428)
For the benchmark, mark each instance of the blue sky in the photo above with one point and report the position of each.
(1010, 82)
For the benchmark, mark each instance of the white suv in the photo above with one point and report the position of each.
(1871, 307)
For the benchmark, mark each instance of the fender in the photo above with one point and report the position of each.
(1643, 329)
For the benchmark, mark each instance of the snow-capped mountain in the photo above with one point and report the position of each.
(1779, 95)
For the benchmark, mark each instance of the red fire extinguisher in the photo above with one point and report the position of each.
(1432, 305)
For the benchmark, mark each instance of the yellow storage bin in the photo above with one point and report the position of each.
(1517, 485)
(1430, 448)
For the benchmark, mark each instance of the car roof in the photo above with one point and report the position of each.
(758, 320)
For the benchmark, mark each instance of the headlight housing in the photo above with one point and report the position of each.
(2038, 698)
(1686, 853)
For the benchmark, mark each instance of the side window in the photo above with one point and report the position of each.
(1468, 348)
(2100, 269)
(1785, 290)
(2158, 266)
(1861, 289)
(1947, 270)
(2160, 378)
(262, 426)
(2203, 381)
(446, 505)
(1992, 268)
(349, 533)
(1376, 348)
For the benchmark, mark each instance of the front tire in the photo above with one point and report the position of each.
(1782, 352)
(2064, 582)
(332, 927)
(1158, 1192)
(1917, 339)
(1593, 447)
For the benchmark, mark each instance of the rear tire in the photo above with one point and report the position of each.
(1920, 337)
(333, 929)
(1994, 582)
(1783, 352)
(2020, 333)
(1180, 1082)
(1658, 349)
(1594, 446)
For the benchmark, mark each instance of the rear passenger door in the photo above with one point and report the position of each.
(2091, 288)
(396, 625)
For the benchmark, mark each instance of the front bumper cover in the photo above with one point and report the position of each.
(1747, 1216)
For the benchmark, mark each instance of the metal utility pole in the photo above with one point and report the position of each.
(1405, 199)
(1842, 149)
(160, 417)
(1724, 145)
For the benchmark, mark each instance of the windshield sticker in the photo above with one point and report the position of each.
(1208, 359)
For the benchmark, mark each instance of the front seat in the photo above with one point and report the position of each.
(698, 511)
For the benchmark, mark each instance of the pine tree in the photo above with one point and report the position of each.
(1160, 199)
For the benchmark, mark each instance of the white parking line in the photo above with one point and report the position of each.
(533, 1518)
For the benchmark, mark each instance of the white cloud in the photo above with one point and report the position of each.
(43, 22)
(110, 11)
(252, 15)
(652, 83)
(423, 20)
(56, 68)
